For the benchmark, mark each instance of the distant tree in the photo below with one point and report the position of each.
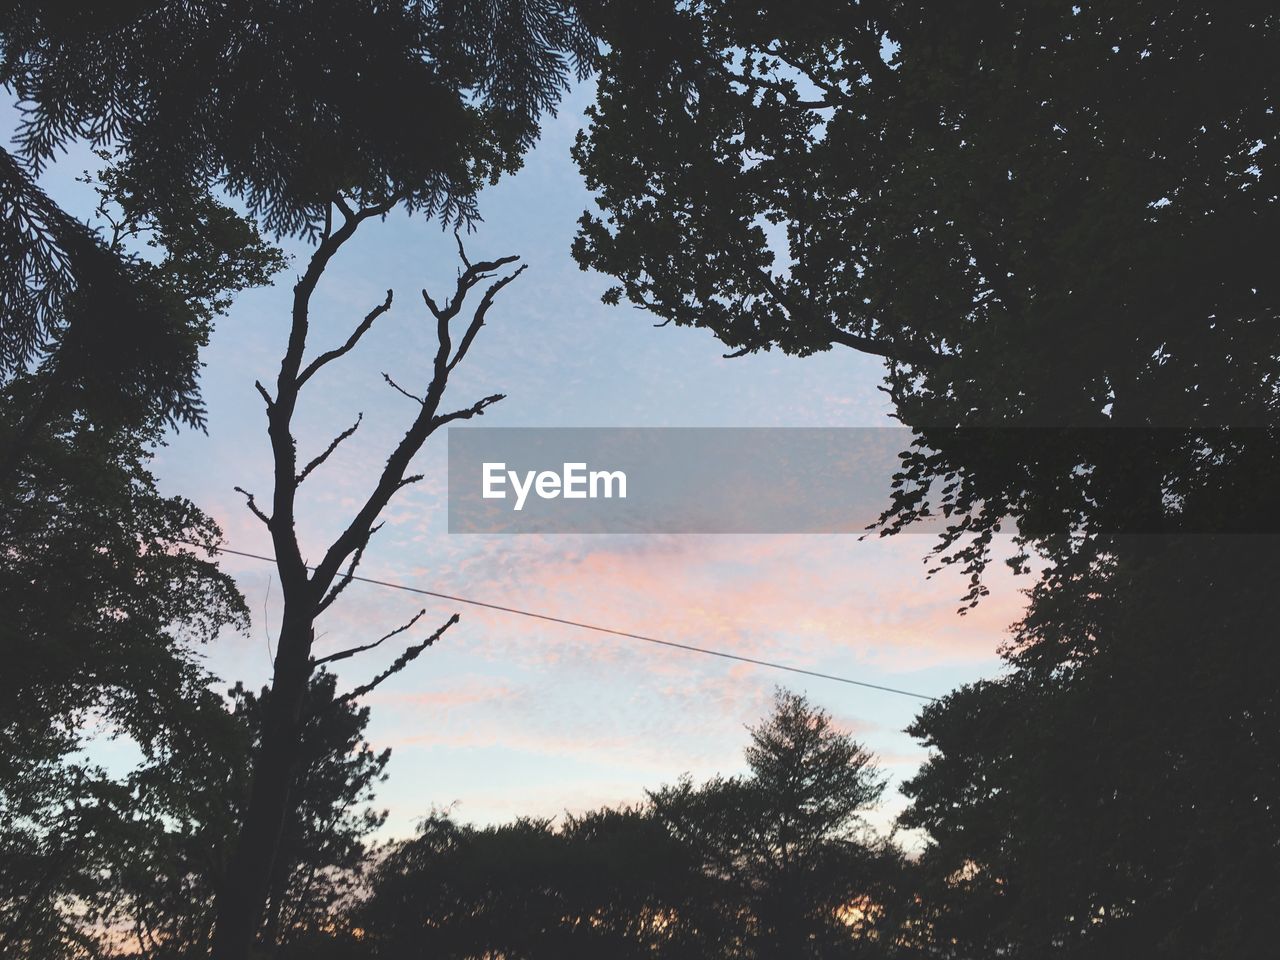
(281, 104)
(772, 865)
(800, 874)
(609, 884)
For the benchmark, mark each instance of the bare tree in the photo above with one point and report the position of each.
(309, 591)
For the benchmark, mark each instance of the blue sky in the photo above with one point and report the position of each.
(511, 716)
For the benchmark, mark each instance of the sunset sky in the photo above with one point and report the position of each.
(513, 716)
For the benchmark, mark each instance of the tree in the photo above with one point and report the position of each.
(1115, 793)
(105, 601)
(100, 865)
(1050, 220)
(772, 865)
(799, 874)
(175, 263)
(165, 873)
(309, 591)
(1041, 215)
(281, 104)
(323, 847)
(612, 883)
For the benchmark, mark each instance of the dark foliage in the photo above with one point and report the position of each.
(104, 602)
(1053, 221)
(1041, 214)
(771, 865)
(1116, 794)
(284, 104)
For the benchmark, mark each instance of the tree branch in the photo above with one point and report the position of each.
(475, 410)
(427, 421)
(352, 651)
(253, 506)
(352, 340)
(401, 662)
(306, 471)
(462, 254)
(881, 348)
(349, 574)
(477, 320)
(402, 390)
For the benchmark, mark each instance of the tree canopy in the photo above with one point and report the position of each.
(1040, 214)
(1052, 222)
(283, 105)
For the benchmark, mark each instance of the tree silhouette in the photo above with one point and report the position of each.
(1051, 222)
(309, 591)
(174, 262)
(281, 104)
(106, 600)
(610, 883)
(800, 875)
(775, 864)
(1114, 794)
(1039, 215)
(105, 604)
(131, 866)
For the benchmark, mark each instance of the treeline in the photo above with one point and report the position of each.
(778, 862)
(775, 863)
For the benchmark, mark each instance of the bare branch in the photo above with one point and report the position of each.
(475, 410)
(306, 471)
(253, 506)
(401, 662)
(400, 389)
(392, 477)
(349, 574)
(477, 319)
(262, 392)
(474, 273)
(352, 651)
(352, 340)
(462, 254)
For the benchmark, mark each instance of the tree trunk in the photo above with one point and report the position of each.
(245, 887)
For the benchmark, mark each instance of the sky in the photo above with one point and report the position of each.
(510, 716)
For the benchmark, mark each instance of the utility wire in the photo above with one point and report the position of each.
(598, 629)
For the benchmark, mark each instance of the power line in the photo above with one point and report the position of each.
(607, 630)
